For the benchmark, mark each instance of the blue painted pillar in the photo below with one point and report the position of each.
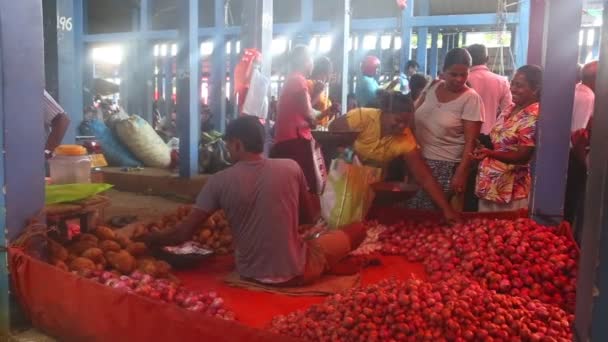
(340, 48)
(591, 312)
(596, 42)
(522, 32)
(70, 52)
(406, 33)
(188, 83)
(217, 91)
(21, 129)
(421, 49)
(234, 59)
(256, 31)
(551, 161)
(167, 82)
(306, 8)
(536, 33)
(433, 58)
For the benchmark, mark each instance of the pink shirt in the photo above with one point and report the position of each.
(291, 118)
(584, 100)
(494, 91)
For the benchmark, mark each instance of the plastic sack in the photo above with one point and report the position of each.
(113, 150)
(115, 118)
(144, 142)
(256, 100)
(213, 154)
(348, 195)
(66, 193)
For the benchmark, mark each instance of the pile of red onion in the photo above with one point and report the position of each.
(165, 290)
(520, 258)
(457, 309)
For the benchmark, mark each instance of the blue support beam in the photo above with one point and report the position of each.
(21, 130)
(258, 29)
(407, 22)
(433, 58)
(340, 48)
(234, 59)
(70, 68)
(217, 99)
(306, 21)
(551, 160)
(591, 311)
(522, 32)
(188, 83)
(421, 52)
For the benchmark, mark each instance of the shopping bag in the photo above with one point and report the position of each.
(319, 165)
(348, 195)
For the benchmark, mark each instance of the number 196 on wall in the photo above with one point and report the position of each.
(64, 23)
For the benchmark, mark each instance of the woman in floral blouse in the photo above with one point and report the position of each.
(503, 181)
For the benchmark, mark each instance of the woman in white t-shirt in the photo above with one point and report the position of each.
(447, 125)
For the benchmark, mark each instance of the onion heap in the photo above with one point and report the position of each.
(214, 234)
(457, 309)
(164, 290)
(520, 257)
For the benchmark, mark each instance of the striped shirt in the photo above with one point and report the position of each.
(51, 110)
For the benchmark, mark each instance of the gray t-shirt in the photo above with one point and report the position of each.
(261, 200)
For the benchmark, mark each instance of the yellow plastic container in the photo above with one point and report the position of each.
(70, 165)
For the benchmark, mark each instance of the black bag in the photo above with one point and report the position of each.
(213, 154)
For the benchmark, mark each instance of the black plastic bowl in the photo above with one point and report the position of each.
(183, 261)
(390, 193)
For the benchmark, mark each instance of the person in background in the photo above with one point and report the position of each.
(411, 69)
(496, 95)
(503, 181)
(493, 89)
(584, 104)
(584, 97)
(417, 84)
(56, 123)
(296, 117)
(262, 199)
(351, 102)
(318, 89)
(367, 85)
(385, 136)
(447, 126)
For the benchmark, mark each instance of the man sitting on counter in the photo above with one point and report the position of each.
(264, 200)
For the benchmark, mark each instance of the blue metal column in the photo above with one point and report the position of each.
(167, 83)
(21, 129)
(433, 59)
(552, 143)
(340, 48)
(188, 83)
(256, 31)
(407, 18)
(596, 42)
(306, 8)
(217, 91)
(536, 33)
(234, 59)
(70, 52)
(421, 52)
(591, 312)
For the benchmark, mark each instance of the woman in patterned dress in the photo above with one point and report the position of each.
(503, 181)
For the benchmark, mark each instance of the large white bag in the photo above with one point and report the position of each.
(137, 134)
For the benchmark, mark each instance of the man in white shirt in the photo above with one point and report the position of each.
(56, 123)
(493, 89)
(584, 97)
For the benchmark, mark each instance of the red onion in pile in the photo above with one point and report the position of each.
(520, 257)
(457, 309)
(164, 290)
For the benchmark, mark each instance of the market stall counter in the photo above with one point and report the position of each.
(73, 308)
